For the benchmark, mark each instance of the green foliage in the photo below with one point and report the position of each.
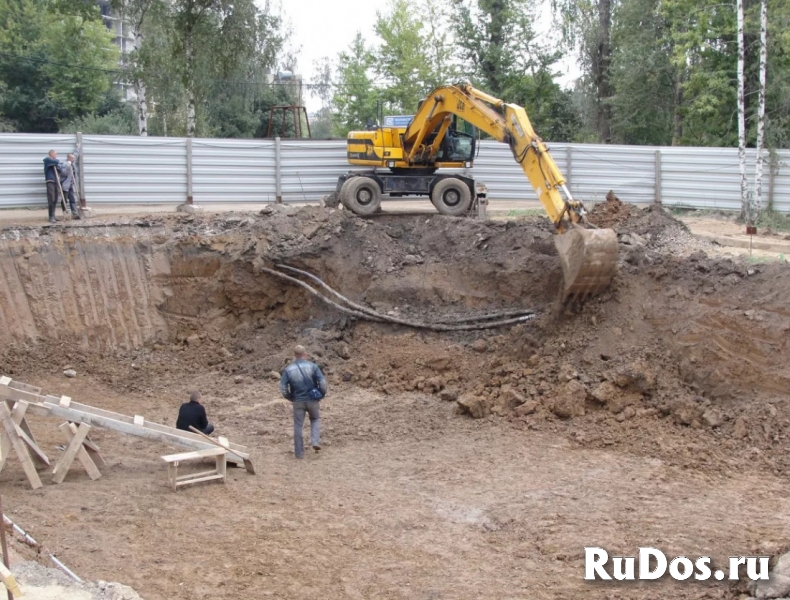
(355, 95)
(401, 61)
(53, 65)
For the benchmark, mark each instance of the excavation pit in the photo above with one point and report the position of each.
(457, 464)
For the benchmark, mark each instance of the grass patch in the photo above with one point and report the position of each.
(527, 212)
(776, 221)
(761, 260)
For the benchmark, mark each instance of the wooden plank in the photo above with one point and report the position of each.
(194, 475)
(18, 415)
(148, 424)
(222, 442)
(208, 452)
(18, 385)
(60, 470)
(32, 444)
(19, 447)
(69, 432)
(17, 412)
(213, 477)
(91, 448)
(12, 394)
(168, 437)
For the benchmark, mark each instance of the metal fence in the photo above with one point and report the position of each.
(133, 170)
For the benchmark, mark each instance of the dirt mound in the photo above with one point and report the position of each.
(676, 342)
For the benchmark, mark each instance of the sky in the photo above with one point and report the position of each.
(327, 27)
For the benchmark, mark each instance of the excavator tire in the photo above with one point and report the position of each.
(361, 195)
(589, 261)
(451, 197)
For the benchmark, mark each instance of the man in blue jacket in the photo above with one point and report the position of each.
(297, 381)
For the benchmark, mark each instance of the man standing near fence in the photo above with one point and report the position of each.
(52, 175)
(68, 181)
(60, 176)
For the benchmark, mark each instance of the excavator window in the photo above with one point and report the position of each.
(459, 143)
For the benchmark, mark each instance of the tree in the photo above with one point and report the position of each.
(355, 95)
(587, 25)
(54, 65)
(500, 53)
(643, 77)
(137, 12)
(402, 60)
(745, 208)
(758, 175)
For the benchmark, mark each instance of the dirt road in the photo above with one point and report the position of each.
(408, 500)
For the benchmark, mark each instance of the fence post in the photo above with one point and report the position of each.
(773, 171)
(189, 206)
(658, 178)
(86, 212)
(569, 163)
(189, 170)
(278, 174)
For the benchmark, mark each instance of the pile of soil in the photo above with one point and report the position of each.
(679, 341)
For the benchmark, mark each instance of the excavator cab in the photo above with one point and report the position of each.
(458, 146)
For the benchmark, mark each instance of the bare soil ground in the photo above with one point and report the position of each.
(655, 415)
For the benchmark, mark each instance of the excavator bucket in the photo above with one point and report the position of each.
(589, 260)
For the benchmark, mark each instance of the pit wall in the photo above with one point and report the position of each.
(102, 294)
(107, 293)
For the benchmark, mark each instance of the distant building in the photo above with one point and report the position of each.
(124, 39)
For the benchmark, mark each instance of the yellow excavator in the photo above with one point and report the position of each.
(414, 155)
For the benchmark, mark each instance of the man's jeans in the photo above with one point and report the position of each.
(311, 408)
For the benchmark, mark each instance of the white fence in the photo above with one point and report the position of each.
(133, 170)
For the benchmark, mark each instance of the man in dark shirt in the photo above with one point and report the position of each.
(52, 173)
(193, 413)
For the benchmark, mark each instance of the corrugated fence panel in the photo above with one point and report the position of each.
(233, 170)
(496, 167)
(22, 166)
(135, 170)
(310, 168)
(704, 177)
(781, 187)
(629, 171)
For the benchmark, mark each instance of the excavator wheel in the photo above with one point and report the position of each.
(361, 195)
(589, 261)
(451, 197)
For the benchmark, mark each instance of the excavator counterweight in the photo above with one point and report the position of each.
(416, 154)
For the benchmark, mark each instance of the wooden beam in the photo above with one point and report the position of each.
(167, 435)
(60, 470)
(70, 432)
(224, 443)
(208, 452)
(37, 452)
(19, 446)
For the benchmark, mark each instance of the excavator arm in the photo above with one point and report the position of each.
(588, 255)
(507, 123)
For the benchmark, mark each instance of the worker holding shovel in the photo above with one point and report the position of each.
(52, 176)
(59, 176)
